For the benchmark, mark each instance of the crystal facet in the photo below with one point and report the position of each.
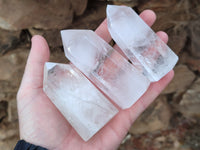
(140, 44)
(85, 108)
(104, 66)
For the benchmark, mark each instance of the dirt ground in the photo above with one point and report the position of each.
(171, 122)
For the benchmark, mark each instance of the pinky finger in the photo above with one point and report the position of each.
(163, 36)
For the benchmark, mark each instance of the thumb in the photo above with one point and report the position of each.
(39, 54)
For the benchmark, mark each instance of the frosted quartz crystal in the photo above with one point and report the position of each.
(85, 108)
(104, 66)
(140, 44)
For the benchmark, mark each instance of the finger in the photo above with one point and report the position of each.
(163, 36)
(147, 15)
(39, 54)
(103, 32)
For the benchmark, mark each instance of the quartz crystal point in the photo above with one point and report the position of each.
(85, 108)
(104, 66)
(140, 44)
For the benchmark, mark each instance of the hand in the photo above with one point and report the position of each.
(42, 124)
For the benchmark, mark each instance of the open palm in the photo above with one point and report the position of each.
(42, 124)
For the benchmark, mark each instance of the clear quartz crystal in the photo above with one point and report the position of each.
(85, 108)
(104, 66)
(140, 44)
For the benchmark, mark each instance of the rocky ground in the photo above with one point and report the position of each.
(172, 122)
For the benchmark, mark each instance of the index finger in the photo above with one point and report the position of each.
(148, 16)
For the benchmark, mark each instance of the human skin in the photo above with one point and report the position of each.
(42, 124)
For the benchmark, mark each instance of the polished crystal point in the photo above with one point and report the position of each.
(85, 108)
(140, 44)
(104, 66)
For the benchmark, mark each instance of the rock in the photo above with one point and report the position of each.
(39, 14)
(165, 142)
(177, 38)
(12, 111)
(3, 109)
(79, 6)
(178, 84)
(127, 143)
(11, 63)
(8, 90)
(179, 13)
(132, 3)
(52, 36)
(11, 70)
(192, 137)
(34, 31)
(170, 139)
(9, 144)
(194, 30)
(8, 40)
(190, 102)
(9, 135)
(156, 117)
(128, 137)
(192, 62)
(6, 86)
(58, 56)
(91, 19)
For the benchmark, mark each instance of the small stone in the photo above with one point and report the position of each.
(194, 30)
(18, 59)
(79, 6)
(104, 66)
(192, 62)
(154, 118)
(190, 102)
(85, 108)
(91, 18)
(9, 143)
(12, 111)
(3, 110)
(8, 90)
(177, 38)
(9, 135)
(9, 40)
(178, 85)
(140, 43)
